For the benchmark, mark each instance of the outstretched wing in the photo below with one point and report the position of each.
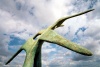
(53, 37)
(33, 53)
(25, 47)
(61, 20)
(13, 56)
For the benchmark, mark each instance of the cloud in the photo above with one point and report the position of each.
(23, 19)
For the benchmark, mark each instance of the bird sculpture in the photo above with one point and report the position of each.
(33, 45)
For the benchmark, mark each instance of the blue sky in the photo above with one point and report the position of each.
(22, 19)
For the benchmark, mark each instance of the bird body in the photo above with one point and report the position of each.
(33, 46)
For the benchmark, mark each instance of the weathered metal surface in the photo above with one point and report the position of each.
(33, 47)
(52, 37)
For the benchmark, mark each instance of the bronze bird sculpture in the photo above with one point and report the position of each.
(33, 46)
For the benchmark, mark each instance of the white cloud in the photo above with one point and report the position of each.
(28, 17)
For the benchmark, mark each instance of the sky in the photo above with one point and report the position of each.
(22, 19)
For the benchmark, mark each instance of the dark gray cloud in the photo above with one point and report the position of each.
(18, 5)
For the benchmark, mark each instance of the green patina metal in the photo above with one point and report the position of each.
(33, 46)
